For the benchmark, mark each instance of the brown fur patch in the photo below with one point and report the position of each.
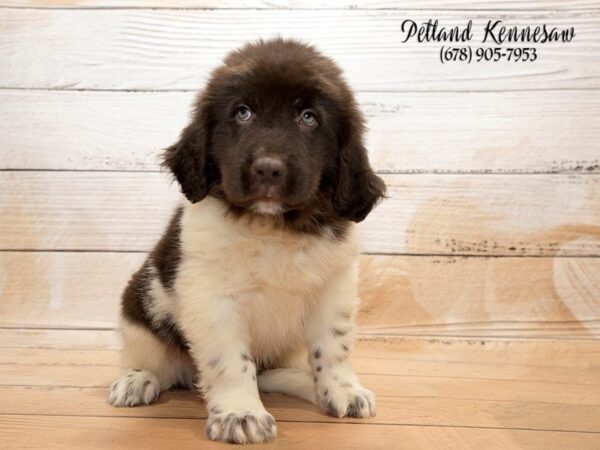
(137, 298)
(167, 253)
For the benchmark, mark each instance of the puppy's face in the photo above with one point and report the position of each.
(277, 132)
(273, 140)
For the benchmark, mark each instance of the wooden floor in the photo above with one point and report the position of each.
(436, 393)
(480, 282)
(431, 393)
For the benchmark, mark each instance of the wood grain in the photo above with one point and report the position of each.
(530, 366)
(478, 5)
(453, 384)
(542, 215)
(480, 297)
(518, 298)
(62, 289)
(45, 210)
(431, 410)
(52, 432)
(176, 49)
(495, 350)
(494, 132)
(552, 362)
(73, 364)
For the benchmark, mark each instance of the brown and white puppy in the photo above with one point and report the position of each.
(256, 274)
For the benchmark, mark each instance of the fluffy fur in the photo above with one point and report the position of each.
(253, 284)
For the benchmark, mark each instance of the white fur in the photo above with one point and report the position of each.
(293, 382)
(246, 293)
(269, 207)
(142, 350)
(135, 387)
(162, 303)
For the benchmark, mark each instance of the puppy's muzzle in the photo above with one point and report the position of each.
(268, 171)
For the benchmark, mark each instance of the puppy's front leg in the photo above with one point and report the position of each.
(330, 337)
(227, 372)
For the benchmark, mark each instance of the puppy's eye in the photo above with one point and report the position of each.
(308, 118)
(243, 113)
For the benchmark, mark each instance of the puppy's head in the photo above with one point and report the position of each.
(277, 132)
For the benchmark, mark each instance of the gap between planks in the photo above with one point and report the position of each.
(366, 253)
(273, 6)
(356, 91)
(292, 5)
(566, 171)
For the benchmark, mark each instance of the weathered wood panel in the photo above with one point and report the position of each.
(408, 132)
(553, 361)
(401, 296)
(482, 5)
(80, 290)
(507, 297)
(176, 49)
(430, 214)
(50, 210)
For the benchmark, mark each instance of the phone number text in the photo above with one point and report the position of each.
(468, 54)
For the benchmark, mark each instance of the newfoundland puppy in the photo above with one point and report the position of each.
(253, 284)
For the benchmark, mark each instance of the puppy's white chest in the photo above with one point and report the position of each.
(292, 267)
(273, 278)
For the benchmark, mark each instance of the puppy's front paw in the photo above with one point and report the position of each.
(135, 387)
(346, 400)
(240, 427)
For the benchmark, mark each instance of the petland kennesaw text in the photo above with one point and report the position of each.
(493, 32)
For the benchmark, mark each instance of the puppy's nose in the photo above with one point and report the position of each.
(268, 170)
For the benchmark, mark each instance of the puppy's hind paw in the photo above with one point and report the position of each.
(135, 387)
(241, 427)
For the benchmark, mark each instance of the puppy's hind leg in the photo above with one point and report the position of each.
(289, 381)
(150, 368)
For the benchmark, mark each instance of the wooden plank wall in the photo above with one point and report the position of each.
(492, 228)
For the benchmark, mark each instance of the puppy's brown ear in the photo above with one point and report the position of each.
(358, 188)
(186, 159)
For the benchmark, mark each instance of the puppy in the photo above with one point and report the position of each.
(253, 285)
